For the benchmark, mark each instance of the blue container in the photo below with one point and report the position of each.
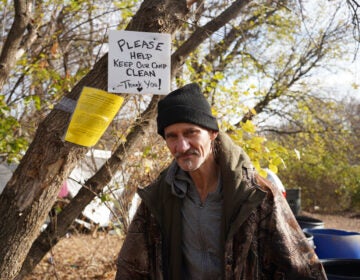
(336, 244)
(342, 269)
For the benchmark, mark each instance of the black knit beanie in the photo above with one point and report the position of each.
(186, 104)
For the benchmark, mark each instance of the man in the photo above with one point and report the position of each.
(209, 215)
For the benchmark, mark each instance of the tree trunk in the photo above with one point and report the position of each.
(31, 192)
(33, 188)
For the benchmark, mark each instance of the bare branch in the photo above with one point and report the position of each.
(202, 33)
(10, 51)
(354, 7)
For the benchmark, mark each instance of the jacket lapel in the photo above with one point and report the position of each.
(241, 193)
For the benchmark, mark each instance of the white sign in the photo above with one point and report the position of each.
(139, 62)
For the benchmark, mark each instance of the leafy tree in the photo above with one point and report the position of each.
(324, 161)
(11, 144)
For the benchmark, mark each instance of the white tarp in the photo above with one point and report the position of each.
(97, 211)
(6, 172)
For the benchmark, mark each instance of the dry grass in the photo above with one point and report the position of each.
(80, 256)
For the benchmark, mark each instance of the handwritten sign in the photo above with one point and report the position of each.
(139, 62)
(94, 112)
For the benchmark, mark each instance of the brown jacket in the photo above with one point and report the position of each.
(261, 237)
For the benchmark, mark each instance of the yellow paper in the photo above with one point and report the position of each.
(94, 112)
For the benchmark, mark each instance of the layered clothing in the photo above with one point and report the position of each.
(260, 238)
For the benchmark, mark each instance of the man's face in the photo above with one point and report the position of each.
(189, 144)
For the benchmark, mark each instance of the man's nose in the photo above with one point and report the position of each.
(182, 145)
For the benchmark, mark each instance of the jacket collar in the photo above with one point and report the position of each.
(241, 193)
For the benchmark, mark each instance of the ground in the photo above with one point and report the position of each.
(84, 256)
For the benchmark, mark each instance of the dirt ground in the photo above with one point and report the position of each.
(344, 221)
(82, 256)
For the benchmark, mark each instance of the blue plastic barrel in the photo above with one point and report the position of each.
(342, 269)
(336, 244)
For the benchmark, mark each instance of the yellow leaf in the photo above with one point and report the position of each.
(273, 168)
(256, 164)
(277, 161)
(248, 126)
(263, 173)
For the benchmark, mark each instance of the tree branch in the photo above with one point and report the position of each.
(10, 51)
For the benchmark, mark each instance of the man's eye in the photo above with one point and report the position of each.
(169, 136)
(192, 132)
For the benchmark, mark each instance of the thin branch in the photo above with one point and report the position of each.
(9, 54)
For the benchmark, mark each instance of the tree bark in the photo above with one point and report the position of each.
(33, 188)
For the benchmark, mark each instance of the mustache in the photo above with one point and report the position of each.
(188, 153)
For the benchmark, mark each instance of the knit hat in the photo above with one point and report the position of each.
(186, 104)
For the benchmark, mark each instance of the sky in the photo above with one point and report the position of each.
(342, 74)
